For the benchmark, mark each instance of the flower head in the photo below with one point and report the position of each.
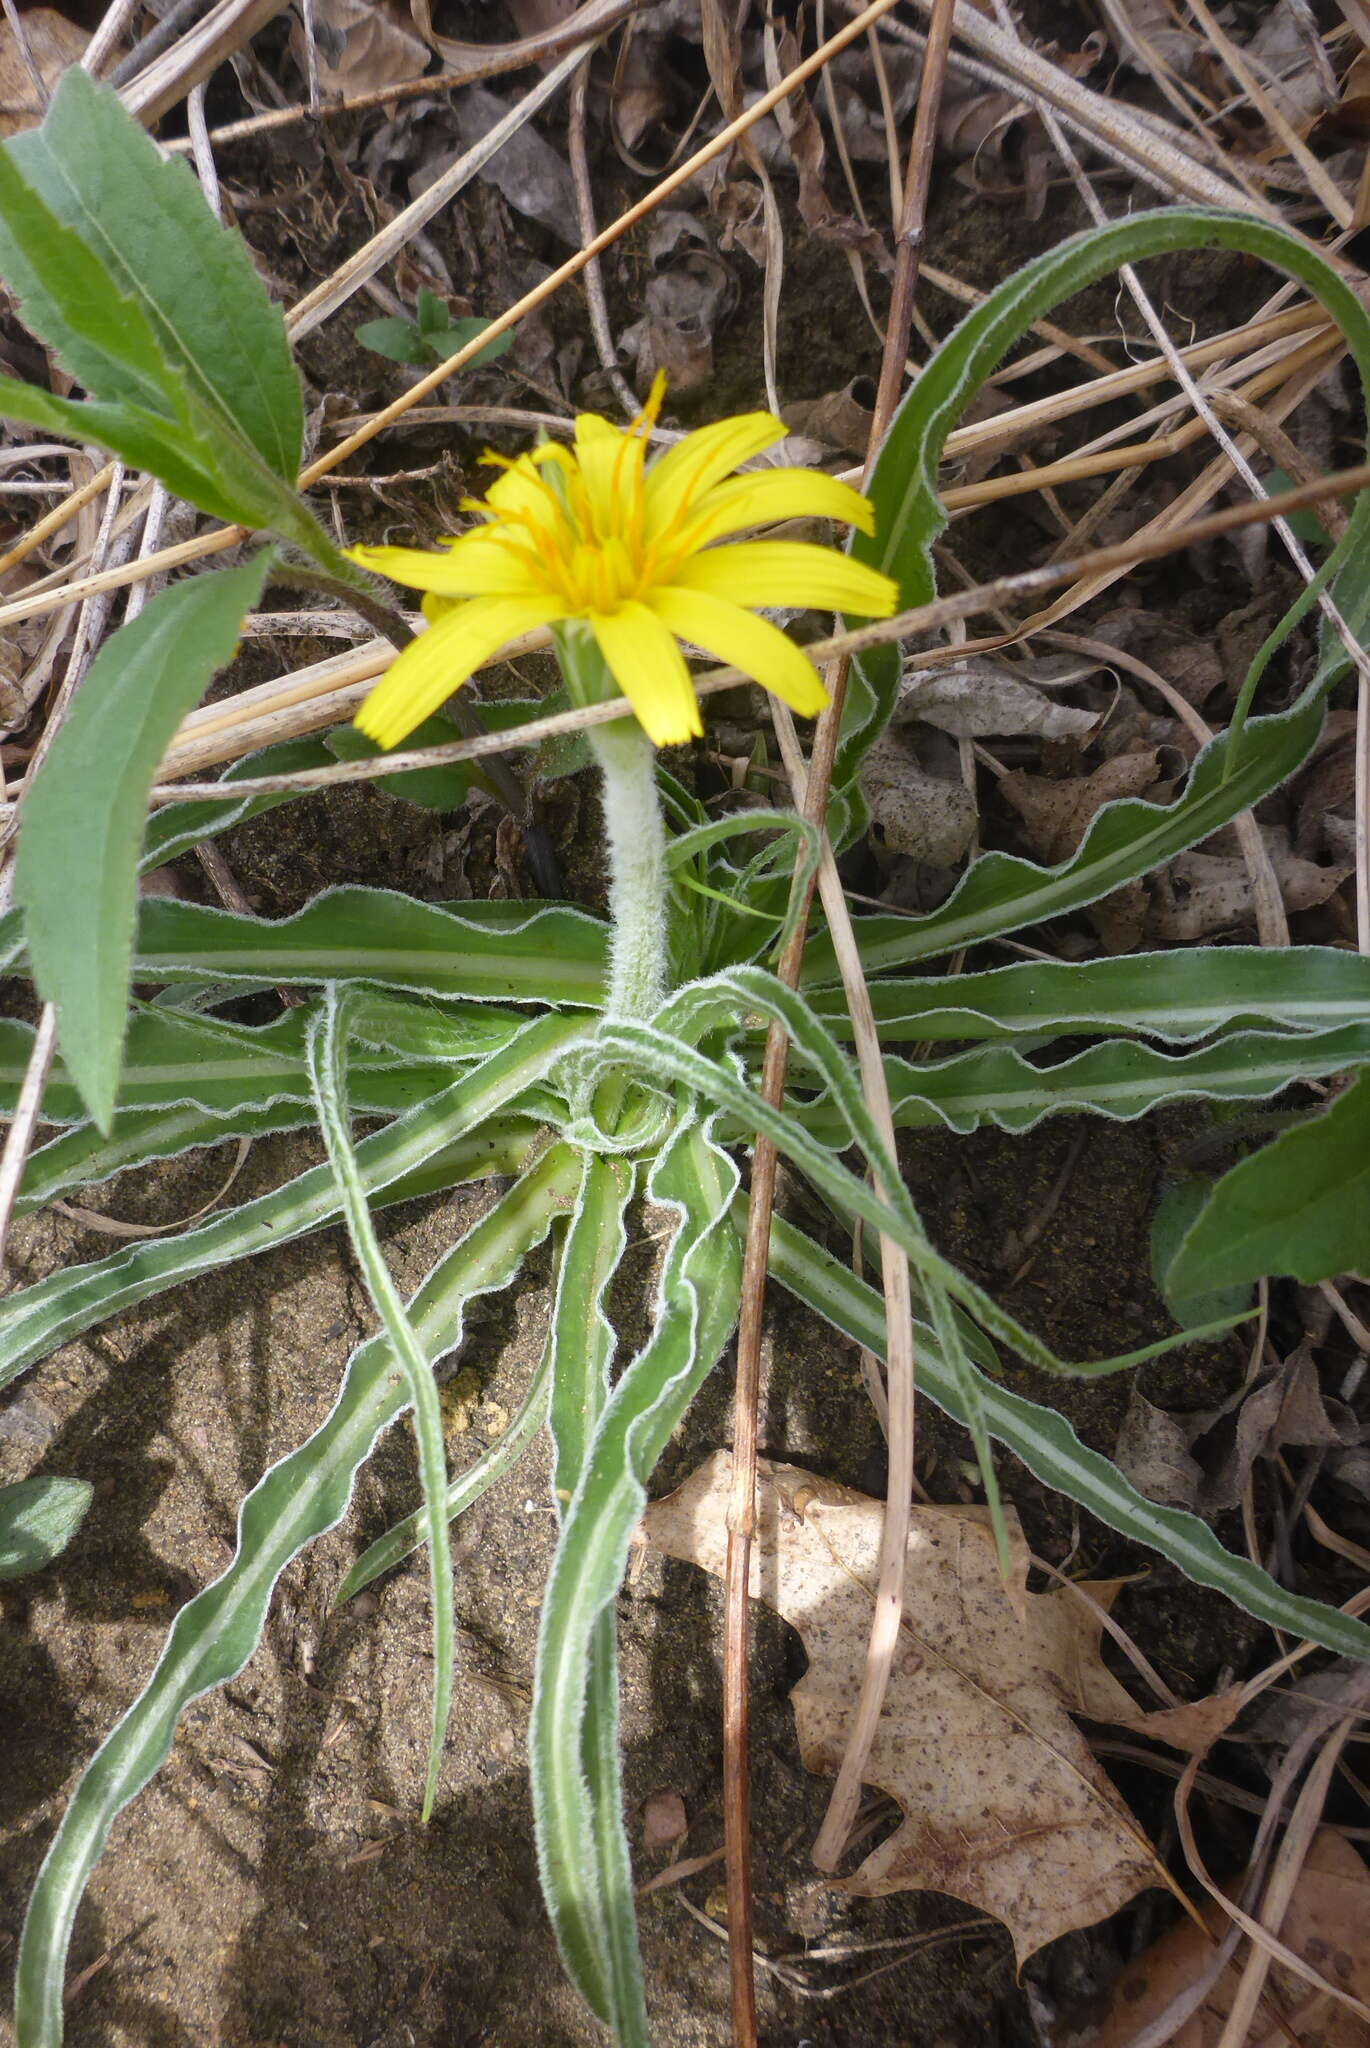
(599, 534)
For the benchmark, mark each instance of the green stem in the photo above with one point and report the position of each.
(638, 886)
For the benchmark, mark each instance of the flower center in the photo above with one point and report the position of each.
(583, 536)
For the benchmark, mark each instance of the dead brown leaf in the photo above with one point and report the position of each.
(55, 42)
(1326, 1924)
(1003, 1804)
(979, 699)
(1203, 1460)
(1057, 814)
(1202, 893)
(926, 817)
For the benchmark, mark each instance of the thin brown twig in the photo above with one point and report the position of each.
(939, 612)
(742, 1507)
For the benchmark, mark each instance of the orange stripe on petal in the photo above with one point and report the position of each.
(650, 670)
(703, 459)
(442, 659)
(742, 640)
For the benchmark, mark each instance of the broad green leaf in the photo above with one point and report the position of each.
(397, 339)
(582, 1879)
(908, 512)
(444, 787)
(1188, 993)
(327, 1055)
(37, 1318)
(213, 1636)
(146, 223)
(187, 462)
(1174, 1213)
(38, 1518)
(1120, 1079)
(1300, 1205)
(1050, 1449)
(82, 822)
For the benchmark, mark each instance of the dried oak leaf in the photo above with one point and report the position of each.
(1003, 1804)
(1325, 1924)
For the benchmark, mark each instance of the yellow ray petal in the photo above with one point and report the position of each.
(790, 572)
(650, 670)
(743, 641)
(764, 496)
(474, 566)
(442, 659)
(704, 458)
(610, 462)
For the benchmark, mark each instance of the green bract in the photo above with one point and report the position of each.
(478, 1035)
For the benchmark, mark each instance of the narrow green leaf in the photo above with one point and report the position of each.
(908, 512)
(145, 221)
(37, 1318)
(1188, 993)
(327, 1055)
(1002, 893)
(580, 1345)
(171, 1060)
(700, 1282)
(81, 1158)
(213, 1636)
(1050, 1449)
(175, 828)
(710, 1005)
(38, 1518)
(1300, 1205)
(1120, 1079)
(76, 872)
(463, 1492)
(494, 952)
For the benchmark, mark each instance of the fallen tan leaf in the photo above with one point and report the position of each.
(364, 45)
(1003, 1804)
(1328, 1924)
(977, 700)
(927, 817)
(55, 42)
(1057, 814)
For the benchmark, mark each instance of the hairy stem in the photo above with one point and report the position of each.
(637, 868)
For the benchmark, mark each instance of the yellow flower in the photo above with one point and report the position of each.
(596, 533)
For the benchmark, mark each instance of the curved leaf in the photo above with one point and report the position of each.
(1188, 993)
(1300, 1205)
(213, 1636)
(1050, 1449)
(33, 1321)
